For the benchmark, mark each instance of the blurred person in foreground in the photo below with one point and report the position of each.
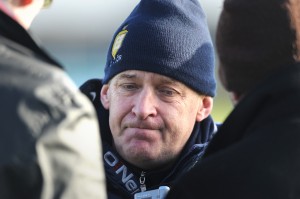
(49, 135)
(155, 99)
(256, 152)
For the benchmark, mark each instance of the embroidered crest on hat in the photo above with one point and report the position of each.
(118, 42)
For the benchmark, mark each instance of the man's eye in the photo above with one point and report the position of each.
(129, 86)
(168, 92)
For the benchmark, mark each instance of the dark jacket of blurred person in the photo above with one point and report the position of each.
(256, 152)
(49, 136)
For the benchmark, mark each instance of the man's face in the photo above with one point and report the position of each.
(151, 116)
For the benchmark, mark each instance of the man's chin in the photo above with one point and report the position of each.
(140, 154)
(136, 146)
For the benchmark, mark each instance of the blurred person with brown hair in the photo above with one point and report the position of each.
(256, 152)
(49, 135)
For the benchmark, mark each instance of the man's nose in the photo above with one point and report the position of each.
(145, 104)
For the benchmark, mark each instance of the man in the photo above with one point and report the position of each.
(49, 135)
(156, 96)
(256, 152)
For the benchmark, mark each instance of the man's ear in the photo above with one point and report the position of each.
(24, 2)
(235, 97)
(205, 108)
(20, 2)
(104, 96)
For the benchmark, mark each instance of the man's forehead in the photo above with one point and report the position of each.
(136, 74)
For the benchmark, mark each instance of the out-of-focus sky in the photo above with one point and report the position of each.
(78, 33)
(96, 18)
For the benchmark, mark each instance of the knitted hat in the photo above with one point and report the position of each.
(254, 39)
(167, 37)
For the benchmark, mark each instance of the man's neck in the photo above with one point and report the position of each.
(21, 14)
(4, 7)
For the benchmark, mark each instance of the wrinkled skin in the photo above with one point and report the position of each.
(151, 116)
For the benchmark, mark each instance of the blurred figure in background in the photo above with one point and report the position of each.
(155, 100)
(49, 135)
(256, 152)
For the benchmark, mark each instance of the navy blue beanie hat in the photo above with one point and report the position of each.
(167, 37)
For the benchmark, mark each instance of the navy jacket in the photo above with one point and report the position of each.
(256, 152)
(119, 172)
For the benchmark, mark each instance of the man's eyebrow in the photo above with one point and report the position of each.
(168, 80)
(127, 76)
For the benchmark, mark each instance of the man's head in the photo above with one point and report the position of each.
(23, 11)
(151, 116)
(254, 39)
(159, 80)
(167, 37)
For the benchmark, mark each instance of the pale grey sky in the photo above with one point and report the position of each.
(68, 19)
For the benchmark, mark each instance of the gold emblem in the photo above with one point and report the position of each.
(118, 42)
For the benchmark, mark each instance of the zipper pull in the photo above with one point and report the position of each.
(142, 181)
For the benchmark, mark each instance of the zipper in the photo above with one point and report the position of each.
(142, 181)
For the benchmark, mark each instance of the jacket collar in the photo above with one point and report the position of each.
(251, 111)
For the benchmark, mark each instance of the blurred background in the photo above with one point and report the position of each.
(77, 33)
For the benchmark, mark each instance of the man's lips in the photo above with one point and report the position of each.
(142, 131)
(143, 125)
